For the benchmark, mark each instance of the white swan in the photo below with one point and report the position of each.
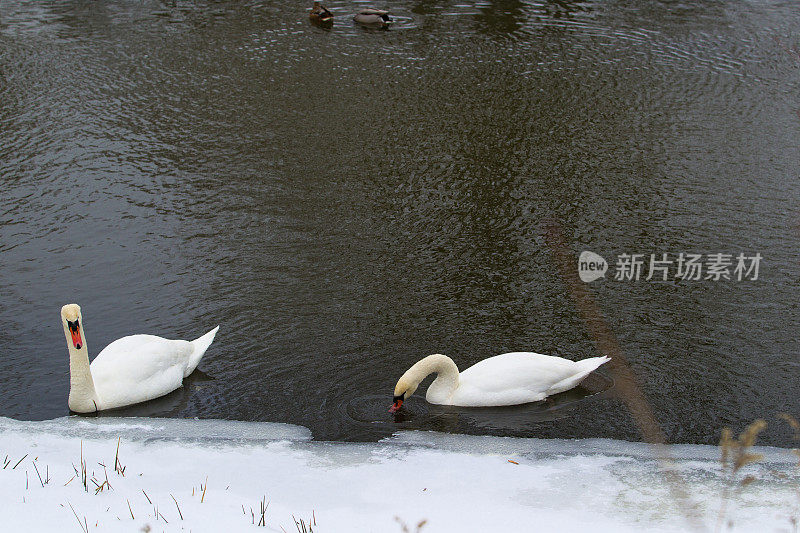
(507, 379)
(129, 370)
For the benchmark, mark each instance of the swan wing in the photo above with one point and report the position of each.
(517, 377)
(138, 368)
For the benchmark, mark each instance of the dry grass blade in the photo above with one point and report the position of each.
(18, 462)
(118, 468)
(404, 527)
(84, 478)
(301, 526)
(750, 434)
(725, 443)
(746, 459)
(734, 455)
(203, 497)
(262, 521)
(148, 497)
(131, 510)
(792, 421)
(82, 525)
(176, 505)
(37, 474)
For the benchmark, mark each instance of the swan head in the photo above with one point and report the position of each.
(73, 329)
(405, 387)
(402, 391)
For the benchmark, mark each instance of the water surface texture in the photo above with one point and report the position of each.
(345, 202)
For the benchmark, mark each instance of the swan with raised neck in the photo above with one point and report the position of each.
(130, 370)
(82, 394)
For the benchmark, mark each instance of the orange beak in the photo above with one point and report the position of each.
(76, 339)
(398, 403)
(75, 333)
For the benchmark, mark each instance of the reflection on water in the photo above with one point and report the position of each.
(170, 405)
(346, 202)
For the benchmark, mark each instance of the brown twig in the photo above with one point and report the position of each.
(625, 380)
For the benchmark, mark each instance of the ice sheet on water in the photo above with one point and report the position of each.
(543, 448)
(458, 483)
(149, 429)
(631, 476)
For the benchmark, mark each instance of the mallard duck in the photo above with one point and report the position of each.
(320, 15)
(373, 17)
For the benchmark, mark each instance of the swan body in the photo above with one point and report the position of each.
(507, 379)
(373, 17)
(130, 370)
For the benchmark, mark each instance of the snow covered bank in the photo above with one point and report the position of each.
(212, 476)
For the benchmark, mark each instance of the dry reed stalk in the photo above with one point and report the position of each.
(176, 505)
(625, 382)
(118, 468)
(735, 454)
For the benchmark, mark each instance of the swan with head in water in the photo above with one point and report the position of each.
(130, 370)
(507, 379)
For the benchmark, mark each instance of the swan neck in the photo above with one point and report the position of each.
(82, 394)
(446, 380)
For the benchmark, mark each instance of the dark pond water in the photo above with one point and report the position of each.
(346, 202)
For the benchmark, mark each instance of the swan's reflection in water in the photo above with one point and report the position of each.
(168, 406)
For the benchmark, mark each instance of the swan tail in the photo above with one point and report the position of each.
(199, 345)
(584, 368)
(593, 363)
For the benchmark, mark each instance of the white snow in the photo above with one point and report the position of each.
(457, 483)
